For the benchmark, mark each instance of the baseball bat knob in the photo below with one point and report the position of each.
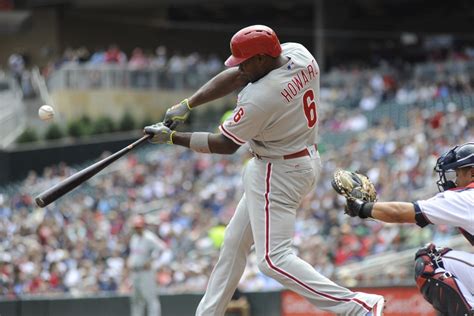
(39, 201)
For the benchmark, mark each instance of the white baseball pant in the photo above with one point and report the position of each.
(144, 294)
(273, 190)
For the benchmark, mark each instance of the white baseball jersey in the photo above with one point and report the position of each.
(453, 207)
(142, 248)
(277, 114)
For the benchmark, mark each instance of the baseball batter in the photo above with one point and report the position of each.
(444, 276)
(277, 115)
(144, 246)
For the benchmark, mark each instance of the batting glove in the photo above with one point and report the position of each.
(177, 114)
(161, 133)
(356, 207)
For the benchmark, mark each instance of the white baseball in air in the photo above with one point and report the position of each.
(46, 113)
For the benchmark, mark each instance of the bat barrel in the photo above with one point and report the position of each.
(68, 184)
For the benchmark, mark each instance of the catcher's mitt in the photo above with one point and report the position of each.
(354, 185)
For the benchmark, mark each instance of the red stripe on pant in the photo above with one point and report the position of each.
(267, 250)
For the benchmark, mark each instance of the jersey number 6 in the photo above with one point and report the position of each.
(309, 107)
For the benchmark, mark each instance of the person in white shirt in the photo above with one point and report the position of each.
(444, 276)
(144, 247)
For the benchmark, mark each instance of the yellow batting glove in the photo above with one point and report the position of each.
(161, 133)
(177, 113)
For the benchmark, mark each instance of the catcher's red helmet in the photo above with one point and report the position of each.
(251, 41)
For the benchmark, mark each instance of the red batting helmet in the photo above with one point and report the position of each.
(250, 41)
(138, 221)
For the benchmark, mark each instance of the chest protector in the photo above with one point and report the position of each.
(439, 288)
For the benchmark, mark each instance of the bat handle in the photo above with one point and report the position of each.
(39, 201)
(139, 141)
(171, 124)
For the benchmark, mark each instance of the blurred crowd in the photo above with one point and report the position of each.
(354, 85)
(173, 71)
(79, 244)
(364, 89)
(19, 69)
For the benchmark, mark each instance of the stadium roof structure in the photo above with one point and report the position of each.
(14, 21)
(336, 30)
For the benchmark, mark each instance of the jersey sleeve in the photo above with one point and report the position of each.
(448, 208)
(155, 244)
(244, 124)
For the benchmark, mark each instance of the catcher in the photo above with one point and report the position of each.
(444, 276)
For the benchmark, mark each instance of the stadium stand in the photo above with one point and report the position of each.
(77, 245)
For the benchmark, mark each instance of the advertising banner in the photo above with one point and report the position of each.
(401, 301)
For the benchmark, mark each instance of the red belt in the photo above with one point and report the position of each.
(301, 153)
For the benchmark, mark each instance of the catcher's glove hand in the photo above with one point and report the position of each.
(358, 190)
(354, 186)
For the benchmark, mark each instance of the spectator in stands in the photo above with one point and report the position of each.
(114, 55)
(137, 63)
(191, 65)
(177, 68)
(369, 100)
(160, 60)
(138, 60)
(83, 55)
(16, 63)
(98, 57)
(68, 56)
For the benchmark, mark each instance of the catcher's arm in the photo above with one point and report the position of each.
(361, 195)
(394, 212)
(388, 212)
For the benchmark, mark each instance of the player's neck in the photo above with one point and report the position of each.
(281, 61)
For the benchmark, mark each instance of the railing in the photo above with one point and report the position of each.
(40, 83)
(84, 77)
(435, 71)
(376, 267)
(12, 112)
(92, 77)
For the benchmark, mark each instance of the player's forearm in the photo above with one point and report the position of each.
(218, 144)
(394, 212)
(221, 85)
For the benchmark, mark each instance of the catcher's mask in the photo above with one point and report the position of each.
(457, 157)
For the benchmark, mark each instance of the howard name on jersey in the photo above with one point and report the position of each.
(277, 114)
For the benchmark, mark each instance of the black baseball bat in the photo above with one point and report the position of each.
(68, 184)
